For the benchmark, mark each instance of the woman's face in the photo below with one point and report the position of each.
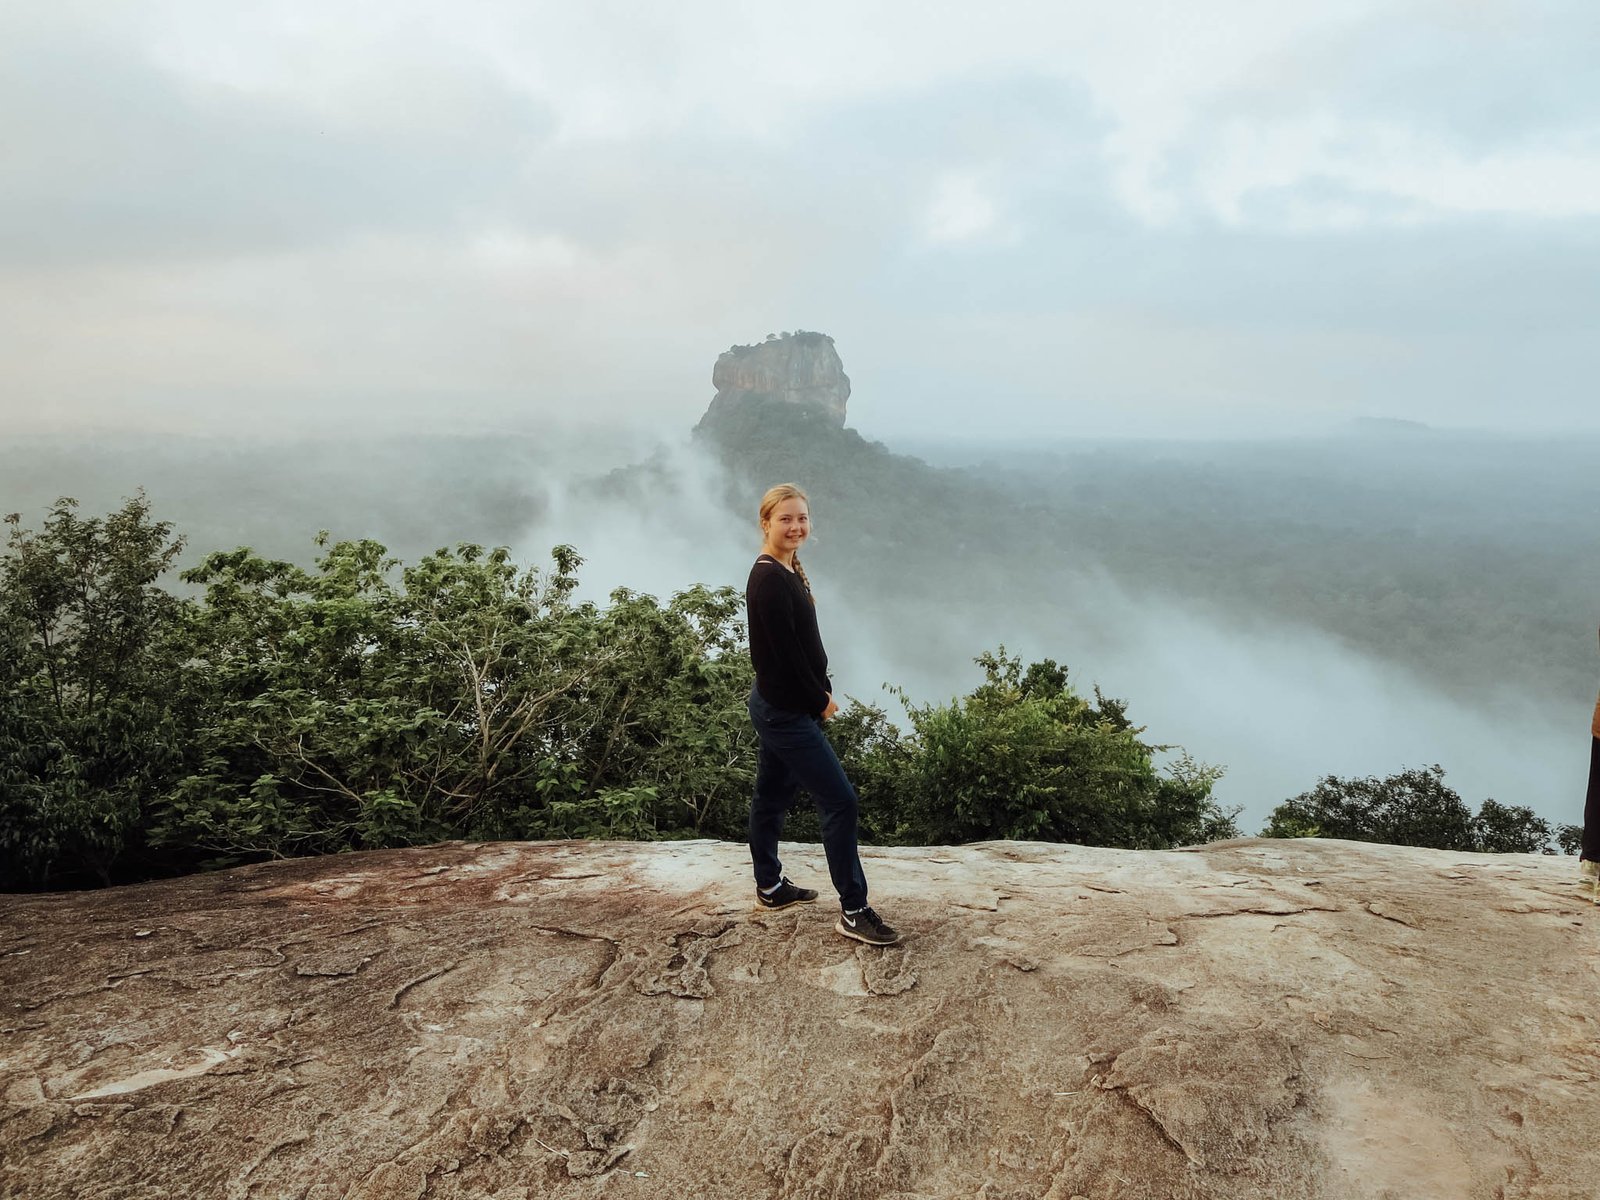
(788, 526)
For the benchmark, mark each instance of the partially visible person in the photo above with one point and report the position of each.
(1589, 859)
(791, 699)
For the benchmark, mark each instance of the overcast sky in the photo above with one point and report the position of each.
(1015, 219)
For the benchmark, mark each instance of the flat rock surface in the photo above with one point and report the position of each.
(1249, 1019)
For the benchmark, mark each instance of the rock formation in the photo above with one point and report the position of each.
(798, 368)
(1305, 1019)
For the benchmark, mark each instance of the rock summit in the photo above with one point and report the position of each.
(799, 368)
(1282, 1020)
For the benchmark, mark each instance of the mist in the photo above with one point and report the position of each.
(1277, 705)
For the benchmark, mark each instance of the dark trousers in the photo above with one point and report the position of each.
(1591, 807)
(795, 754)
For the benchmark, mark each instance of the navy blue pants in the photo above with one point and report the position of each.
(1591, 807)
(795, 754)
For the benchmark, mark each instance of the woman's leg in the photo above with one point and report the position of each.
(1591, 806)
(799, 743)
(839, 809)
(776, 787)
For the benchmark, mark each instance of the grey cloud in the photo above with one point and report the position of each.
(839, 199)
(1480, 77)
(1453, 320)
(109, 158)
(687, 240)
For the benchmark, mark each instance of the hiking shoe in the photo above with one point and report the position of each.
(1589, 877)
(784, 895)
(866, 926)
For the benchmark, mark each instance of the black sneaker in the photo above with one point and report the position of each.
(784, 895)
(866, 926)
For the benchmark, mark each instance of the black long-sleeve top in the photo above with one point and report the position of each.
(791, 665)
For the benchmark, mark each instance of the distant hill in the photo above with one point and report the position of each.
(882, 517)
(1463, 559)
(413, 492)
(1469, 560)
(1385, 426)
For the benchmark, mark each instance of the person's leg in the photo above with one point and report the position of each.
(1591, 806)
(839, 811)
(811, 757)
(822, 775)
(798, 742)
(775, 791)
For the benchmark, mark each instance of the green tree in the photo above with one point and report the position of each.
(364, 703)
(361, 705)
(670, 710)
(1024, 756)
(1413, 807)
(1510, 829)
(88, 655)
(367, 704)
(877, 757)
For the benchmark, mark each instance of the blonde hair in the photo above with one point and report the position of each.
(775, 496)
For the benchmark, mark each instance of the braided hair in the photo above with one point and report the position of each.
(775, 496)
(804, 582)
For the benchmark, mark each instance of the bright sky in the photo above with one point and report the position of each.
(1016, 219)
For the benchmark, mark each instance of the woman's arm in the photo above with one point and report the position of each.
(775, 601)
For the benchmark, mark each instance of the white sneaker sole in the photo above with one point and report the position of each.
(786, 904)
(841, 927)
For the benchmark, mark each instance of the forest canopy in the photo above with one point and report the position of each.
(367, 703)
(271, 710)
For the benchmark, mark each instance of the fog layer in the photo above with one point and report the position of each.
(1278, 705)
(1268, 695)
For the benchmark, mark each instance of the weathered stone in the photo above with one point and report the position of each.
(798, 368)
(1304, 1019)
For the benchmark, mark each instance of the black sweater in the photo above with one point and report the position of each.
(791, 665)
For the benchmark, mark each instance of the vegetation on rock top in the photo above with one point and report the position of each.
(369, 703)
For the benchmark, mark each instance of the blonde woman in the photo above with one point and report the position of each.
(791, 699)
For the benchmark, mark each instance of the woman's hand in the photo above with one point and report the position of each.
(833, 707)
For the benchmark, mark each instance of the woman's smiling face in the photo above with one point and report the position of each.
(787, 527)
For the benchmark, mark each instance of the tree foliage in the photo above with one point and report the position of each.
(363, 702)
(1413, 807)
(355, 706)
(87, 658)
(358, 704)
(1024, 756)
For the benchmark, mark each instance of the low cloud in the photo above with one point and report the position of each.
(1279, 707)
(311, 213)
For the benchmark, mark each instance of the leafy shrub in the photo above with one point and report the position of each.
(1413, 807)
(1024, 756)
(89, 654)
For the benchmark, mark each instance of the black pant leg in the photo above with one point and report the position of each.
(776, 787)
(1591, 806)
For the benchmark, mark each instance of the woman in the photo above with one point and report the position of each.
(1589, 860)
(791, 699)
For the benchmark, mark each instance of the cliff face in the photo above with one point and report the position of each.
(1256, 1020)
(798, 368)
